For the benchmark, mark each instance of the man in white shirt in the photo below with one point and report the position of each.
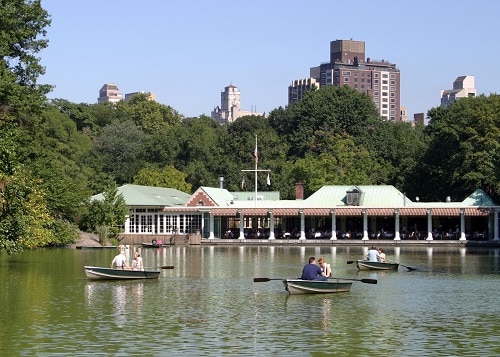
(372, 254)
(119, 261)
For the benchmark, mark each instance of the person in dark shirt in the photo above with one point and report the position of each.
(313, 272)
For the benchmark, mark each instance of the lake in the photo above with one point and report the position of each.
(209, 305)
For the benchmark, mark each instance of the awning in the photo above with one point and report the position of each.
(380, 211)
(224, 211)
(406, 211)
(316, 211)
(479, 211)
(446, 211)
(285, 211)
(255, 211)
(344, 211)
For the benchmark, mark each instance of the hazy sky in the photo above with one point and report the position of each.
(187, 51)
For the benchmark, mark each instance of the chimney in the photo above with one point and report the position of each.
(221, 182)
(299, 191)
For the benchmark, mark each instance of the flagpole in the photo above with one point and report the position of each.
(256, 162)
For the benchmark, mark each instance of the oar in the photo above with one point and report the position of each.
(263, 280)
(366, 281)
(409, 268)
(350, 261)
(167, 267)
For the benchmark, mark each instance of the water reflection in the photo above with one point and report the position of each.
(209, 305)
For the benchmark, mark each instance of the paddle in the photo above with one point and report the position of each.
(409, 268)
(366, 281)
(167, 267)
(263, 280)
(350, 261)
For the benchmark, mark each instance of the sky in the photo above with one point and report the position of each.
(187, 51)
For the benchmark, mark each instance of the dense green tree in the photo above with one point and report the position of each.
(22, 33)
(329, 109)
(337, 162)
(25, 220)
(168, 176)
(398, 146)
(56, 153)
(105, 215)
(464, 151)
(121, 147)
(149, 115)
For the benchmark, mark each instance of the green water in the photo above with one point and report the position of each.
(209, 305)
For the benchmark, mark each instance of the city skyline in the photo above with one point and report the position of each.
(187, 51)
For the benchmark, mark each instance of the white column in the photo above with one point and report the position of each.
(302, 225)
(429, 224)
(211, 236)
(396, 225)
(365, 225)
(462, 224)
(334, 226)
(496, 224)
(271, 225)
(242, 226)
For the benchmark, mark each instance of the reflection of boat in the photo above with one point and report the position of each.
(100, 273)
(299, 286)
(367, 265)
(152, 245)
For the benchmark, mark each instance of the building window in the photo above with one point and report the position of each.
(385, 81)
(384, 94)
(346, 79)
(385, 75)
(375, 75)
(393, 76)
(352, 198)
(375, 81)
(393, 82)
(346, 73)
(384, 106)
(393, 89)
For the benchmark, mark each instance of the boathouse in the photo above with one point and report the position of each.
(332, 213)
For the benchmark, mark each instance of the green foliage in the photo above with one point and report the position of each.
(337, 162)
(22, 30)
(121, 148)
(464, 152)
(106, 214)
(149, 115)
(329, 109)
(168, 177)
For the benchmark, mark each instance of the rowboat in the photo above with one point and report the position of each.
(100, 273)
(299, 286)
(367, 265)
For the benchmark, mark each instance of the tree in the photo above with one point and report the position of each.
(21, 37)
(149, 115)
(169, 177)
(106, 215)
(329, 109)
(25, 220)
(464, 151)
(120, 146)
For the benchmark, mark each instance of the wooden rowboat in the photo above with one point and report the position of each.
(299, 286)
(367, 265)
(100, 273)
(151, 245)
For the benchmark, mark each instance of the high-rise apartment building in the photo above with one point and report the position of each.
(463, 87)
(109, 93)
(379, 79)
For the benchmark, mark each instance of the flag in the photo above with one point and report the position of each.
(243, 183)
(268, 180)
(256, 152)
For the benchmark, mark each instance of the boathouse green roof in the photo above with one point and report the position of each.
(137, 195)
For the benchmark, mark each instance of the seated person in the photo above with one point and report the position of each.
(313, 272)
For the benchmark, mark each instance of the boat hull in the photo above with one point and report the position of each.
(100, 273)
(299, 286)
(367, 265)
